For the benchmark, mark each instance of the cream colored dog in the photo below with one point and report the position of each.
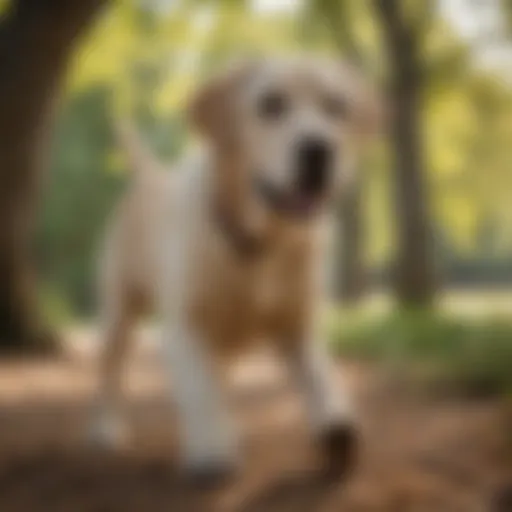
(232, 249)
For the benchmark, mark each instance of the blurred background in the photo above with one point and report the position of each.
(431, 213)
(429, 221)
(424, 261)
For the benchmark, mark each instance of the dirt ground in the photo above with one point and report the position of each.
(418, 455)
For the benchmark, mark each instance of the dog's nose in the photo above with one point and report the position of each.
(314, 157)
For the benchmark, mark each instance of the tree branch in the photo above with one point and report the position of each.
(336, 15)
(398, 33)
(424, 18)
(401, 41)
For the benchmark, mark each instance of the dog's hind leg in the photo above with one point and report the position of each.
(119, 314)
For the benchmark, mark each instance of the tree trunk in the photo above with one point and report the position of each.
(414, 272)
(351, 271)
(36, 41)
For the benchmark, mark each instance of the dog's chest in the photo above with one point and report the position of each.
(270, 289)
(248, 301)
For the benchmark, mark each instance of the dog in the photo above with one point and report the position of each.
(232, 249)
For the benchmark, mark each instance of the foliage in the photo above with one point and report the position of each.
(82, 189)
(439, 352)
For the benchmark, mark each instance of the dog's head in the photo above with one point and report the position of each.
(287, 131)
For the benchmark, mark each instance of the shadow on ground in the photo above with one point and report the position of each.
(417, 455)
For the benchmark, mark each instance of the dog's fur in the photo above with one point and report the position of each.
(168, 247)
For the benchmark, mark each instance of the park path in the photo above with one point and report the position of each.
(418, 455)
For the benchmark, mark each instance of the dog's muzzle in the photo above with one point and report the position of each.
(311, 180)
(314, 158)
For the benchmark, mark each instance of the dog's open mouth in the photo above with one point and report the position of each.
(293, 203)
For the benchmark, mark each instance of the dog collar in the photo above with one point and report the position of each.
(279, 202)
(246, 245)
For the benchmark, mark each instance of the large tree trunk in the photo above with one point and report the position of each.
(36, 41)
(351, 269)
(414, 272)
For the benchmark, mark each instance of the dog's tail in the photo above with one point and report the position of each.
(139, 156)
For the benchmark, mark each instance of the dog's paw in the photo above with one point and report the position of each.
(209, 475)
(339, 443)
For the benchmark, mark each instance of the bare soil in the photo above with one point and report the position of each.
(417, 454)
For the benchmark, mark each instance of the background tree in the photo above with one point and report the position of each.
(403, 32)
(338, 18)
(145, 61)
(36, 41)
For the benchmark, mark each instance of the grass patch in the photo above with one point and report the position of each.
(440, 352)
(54, 308)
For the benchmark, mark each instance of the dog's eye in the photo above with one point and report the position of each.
(336, 107)
(272, 106)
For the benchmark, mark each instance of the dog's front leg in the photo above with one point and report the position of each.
(208, 441)
(328, 406)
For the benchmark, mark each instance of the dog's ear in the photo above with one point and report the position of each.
(212, 111)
